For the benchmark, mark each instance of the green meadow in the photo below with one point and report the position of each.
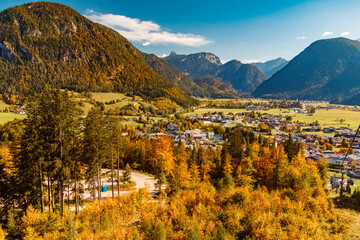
(8, 116)
(325, 117)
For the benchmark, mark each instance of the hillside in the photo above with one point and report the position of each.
(215, 87)
(354, 100)
(326, 70)
(270, 67)
(49, 43)
(179, 79)
(243, 77)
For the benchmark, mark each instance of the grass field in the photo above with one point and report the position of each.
(206, 110)
(321, 133)
(105, 97)
(253, 100)
(227, 110)
(127, 120)
(118, 105)
(328, 118)
(7, 117)
(123, 100)
(155, 119)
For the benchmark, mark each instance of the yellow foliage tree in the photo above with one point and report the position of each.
(2, 234)
(163, 155)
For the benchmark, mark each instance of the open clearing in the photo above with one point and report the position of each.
(7, 117)
(141, 180)
(330, 117)
(105, 97)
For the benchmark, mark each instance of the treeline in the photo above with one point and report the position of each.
(236, 104)
(245, 189)
(52, 148)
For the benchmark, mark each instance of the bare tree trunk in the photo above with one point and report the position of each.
(62, 196)
(112, 171)
(94, 188)
(49, 191)
(61, 178)
(118, 169)
(52, 194)
(68, 198)
(42, 188)
(99, 182)
(76, 197)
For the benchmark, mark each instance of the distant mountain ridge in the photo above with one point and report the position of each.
(196, 64)
(270, 67)
(242, 77)
(328, 69)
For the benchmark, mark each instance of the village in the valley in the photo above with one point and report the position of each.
(327, 142)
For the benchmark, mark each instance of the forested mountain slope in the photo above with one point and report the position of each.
(328, 69)
(49, 43)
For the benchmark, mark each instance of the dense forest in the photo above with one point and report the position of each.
(245, 189)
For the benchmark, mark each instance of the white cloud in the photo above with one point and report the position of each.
(302, 37)
(164, 55)
(145, 31)
(326, 33)
(345, 34)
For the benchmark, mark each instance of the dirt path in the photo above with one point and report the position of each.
(141, 180)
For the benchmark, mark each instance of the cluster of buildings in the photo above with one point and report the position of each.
(214, 118)
(297, 110)
(189, 137)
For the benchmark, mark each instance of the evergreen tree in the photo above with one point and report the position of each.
(292, 148)
(94, 153)
(50, 131)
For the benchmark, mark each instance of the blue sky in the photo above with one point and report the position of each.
(256, 30)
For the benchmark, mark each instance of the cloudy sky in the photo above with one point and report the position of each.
(247, 30)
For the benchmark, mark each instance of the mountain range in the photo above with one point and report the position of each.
(244, 78)
(48, 43)
(270, 67)
(328, 69)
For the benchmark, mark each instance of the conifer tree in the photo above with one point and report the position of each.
(47, 143)
(94, 148)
